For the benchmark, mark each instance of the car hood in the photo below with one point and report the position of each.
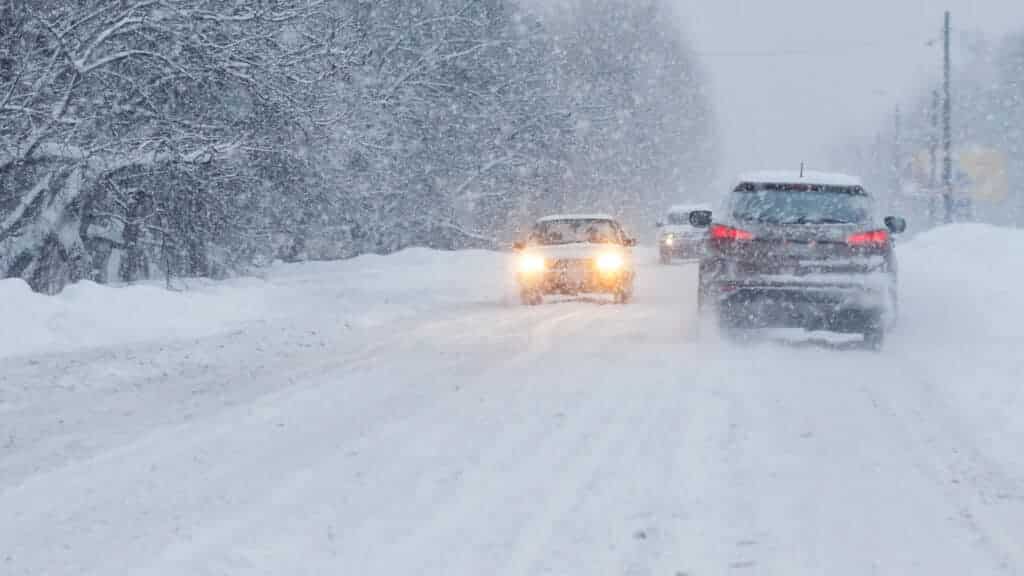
(578, 251)
(683, 230)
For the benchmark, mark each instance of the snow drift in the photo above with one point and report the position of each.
(367, 290)
(87, 315)
(963, 325)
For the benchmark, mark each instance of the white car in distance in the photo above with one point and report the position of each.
(678, 238)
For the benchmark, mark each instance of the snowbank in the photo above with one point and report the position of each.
(373, 290)
(963, 284)
(364, 291)
(963, 316)
(88, 315)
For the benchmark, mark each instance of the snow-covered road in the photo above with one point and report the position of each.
(437, 428)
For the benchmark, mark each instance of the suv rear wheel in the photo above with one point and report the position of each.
(874, 333)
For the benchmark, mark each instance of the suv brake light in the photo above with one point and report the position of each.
(720, 232)
(872, 238)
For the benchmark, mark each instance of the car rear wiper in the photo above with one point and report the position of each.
(806, 220)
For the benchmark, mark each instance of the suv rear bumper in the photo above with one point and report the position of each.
(839, 307)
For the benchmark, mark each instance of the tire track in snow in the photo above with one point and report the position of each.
(477, 450)
(219, 428)
(291, 495)
(506, 476)
(821, 429)
(623, 514)
(979, 493)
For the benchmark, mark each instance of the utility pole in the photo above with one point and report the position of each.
(933, 158)
(897, 150)
(947, 129)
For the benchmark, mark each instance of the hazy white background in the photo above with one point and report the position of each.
(792, 77)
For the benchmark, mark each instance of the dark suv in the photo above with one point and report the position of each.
(800, 251)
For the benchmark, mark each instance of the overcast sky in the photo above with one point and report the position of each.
(791, 77)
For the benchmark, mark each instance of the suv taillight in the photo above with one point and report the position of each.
(720, 232)
(874, 238)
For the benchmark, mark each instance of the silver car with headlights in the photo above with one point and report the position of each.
(575, 254)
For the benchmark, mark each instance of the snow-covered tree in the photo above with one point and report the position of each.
(642, 117)
(133, 127)
(143, 138)
(987, 116)
(451, 123)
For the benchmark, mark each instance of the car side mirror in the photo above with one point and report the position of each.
(700, 218)
(895, 224)
(518, 246)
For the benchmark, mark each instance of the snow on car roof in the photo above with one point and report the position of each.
(794, 177)
(557, 217)
(681, 208)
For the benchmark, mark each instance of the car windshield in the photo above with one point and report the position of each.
(801, 205)
(575, 231)
(679, 218)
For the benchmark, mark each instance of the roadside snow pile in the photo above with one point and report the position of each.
(968, 279)
(372, 290)
(362, 292)
(88, 315)
(963, 324)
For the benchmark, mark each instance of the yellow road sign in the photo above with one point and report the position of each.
(978, 171)
(985, 169)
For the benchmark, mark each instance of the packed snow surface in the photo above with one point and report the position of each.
(402, 415)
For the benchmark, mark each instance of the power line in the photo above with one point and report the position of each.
(802, 52)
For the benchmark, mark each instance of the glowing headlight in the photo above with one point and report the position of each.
(610, 262)
(670, 240)
(531, 264)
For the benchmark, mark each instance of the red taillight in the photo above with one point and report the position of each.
(873, 238)
(720, 232)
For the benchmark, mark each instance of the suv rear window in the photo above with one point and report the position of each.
(800, 204)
